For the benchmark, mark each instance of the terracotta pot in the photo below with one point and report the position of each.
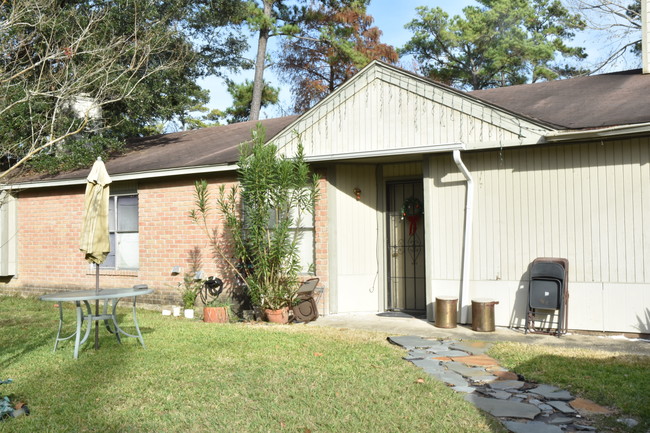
(278, 316)
(215, 314)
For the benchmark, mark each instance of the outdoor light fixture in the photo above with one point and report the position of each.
(198, 276)
(357, 193)
(176, 270)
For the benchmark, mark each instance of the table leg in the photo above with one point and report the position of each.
(135, 322)
(58, 333)
(78, 334)
(137, 328)
(88, 318)
(107, 323)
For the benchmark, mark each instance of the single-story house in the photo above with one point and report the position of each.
(489, 180)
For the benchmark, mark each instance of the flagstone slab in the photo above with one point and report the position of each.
(630, 422)
(582, 427)
(551, 392)
(448, 353)
(561, 420)
(452, 378)
(501, 395)
(504, 375)
(430, 366)
(478, 360)
(506, 384)
(483, 379)
(472, 347)
(442, 358)
(467, 371)
(562, 406)
(464, 389)
(585, 406)
(409, 341)
(417, 354)
(531, 427)
(504, 408)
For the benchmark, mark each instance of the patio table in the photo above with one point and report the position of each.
(83, 296)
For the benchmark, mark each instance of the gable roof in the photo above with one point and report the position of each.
(385, 111)
(596, 101)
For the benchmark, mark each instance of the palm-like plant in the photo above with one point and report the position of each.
(273, 196)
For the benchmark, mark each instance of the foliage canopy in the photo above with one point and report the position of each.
(79, 76)
(499, 43)
(333, 45)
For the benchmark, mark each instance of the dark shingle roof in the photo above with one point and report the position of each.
(217, 145)
(579, 103)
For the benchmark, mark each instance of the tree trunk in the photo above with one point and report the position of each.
(258, 80)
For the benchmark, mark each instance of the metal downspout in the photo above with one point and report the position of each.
(464, 303)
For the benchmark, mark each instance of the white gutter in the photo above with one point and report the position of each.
(125, 176)
(465, 303)
(612, 131)
(386, 152)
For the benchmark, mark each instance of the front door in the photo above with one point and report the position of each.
(406, 265)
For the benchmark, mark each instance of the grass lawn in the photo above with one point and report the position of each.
(199, 377)
(617, 381)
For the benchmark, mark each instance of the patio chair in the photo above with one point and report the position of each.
(305, 310)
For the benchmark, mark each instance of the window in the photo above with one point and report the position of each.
(305, 228)
(123, 230)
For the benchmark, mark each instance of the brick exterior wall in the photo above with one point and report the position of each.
(321, 242)
(49, 227)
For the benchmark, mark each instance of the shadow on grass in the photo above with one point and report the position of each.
(24, 329)
(617, 382)
(197, 377)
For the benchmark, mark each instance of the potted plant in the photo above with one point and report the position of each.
(261, 244)
(217, 311)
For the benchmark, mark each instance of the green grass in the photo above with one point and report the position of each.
(198, 377)
(621, 382)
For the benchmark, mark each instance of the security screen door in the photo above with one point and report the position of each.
(406, 265)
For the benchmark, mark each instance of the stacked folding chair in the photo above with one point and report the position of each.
(547, 293)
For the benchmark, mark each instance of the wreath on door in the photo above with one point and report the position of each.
(412, 210)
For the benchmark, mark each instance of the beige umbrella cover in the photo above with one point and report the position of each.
(95, 241)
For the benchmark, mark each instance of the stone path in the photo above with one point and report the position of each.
(521, 406)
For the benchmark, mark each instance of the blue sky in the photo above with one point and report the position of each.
(390, 16)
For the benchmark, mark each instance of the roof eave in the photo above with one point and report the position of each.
(207, 169)
(609, 132)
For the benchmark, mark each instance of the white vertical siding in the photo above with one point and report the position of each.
(410, 169)
(383, 109)
(587, 202)
(357, 260)
(8, 234)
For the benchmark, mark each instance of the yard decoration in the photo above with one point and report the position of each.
(412, 210)
(274, 194)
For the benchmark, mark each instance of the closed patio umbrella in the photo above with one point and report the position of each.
(95, 240)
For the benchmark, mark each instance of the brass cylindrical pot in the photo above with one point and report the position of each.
(483, 315)
(446, 312)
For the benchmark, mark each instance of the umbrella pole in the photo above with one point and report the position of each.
(96, 306)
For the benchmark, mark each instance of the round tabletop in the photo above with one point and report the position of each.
(91, 295)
